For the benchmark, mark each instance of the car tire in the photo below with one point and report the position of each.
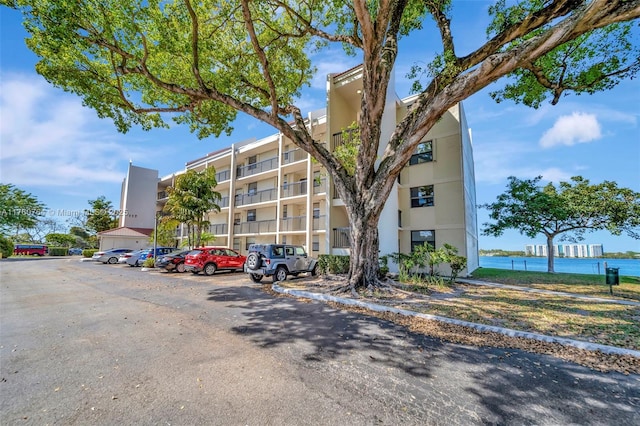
(210, 269)
(314, 271)
(280, 275)
(180, 267)
(253, 261)
(112, 260)
(256, 278)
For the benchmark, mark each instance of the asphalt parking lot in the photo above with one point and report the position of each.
(87, 343)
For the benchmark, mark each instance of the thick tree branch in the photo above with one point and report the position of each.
(195, 35)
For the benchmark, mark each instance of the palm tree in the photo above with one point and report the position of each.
(191, 200)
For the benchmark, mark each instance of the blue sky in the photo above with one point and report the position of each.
(60, 151)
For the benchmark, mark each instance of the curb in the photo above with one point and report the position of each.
(480, 327)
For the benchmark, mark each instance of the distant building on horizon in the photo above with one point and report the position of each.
(565, 250)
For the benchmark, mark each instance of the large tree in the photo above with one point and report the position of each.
(133, 60)
(569, 210)
(101, 216)
(191, 199)
(19, 210)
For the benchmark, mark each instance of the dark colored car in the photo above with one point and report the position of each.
(211, 259)
(173, 261)
(148, 254)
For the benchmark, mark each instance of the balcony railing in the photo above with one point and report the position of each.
(256, 197)
(319, 186)
(318, 223)
(295, 223)
(293, 155)
(224, 202)
(340, 138)
(219, 228)
(259, 167)
(162, 194)
(255, 227)
(294, 189)
(341, 238)
(223, 175)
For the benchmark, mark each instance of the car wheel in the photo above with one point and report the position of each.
(280, 275)
(253, 261)
(210, 269)
(256, 278)
(180, 267)
(112, 260)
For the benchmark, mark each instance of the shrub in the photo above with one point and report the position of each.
(148, 263)
(58, 251)
(88, 252)
(6, 247)
(333, 264)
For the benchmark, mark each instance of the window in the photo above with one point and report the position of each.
(284, 212)
(315, 244)
(236, 219)
(400, 218)
(422, 196)
(288, 251)
(418, 238)
(252, 162)
(251, 215)
(424, 153)
(316, 210)
(249, 242)
(317, 179)
(300, 251)
(252, 188)
(236, 243)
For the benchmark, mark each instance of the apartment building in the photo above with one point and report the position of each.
(565, 250)
(273, 191)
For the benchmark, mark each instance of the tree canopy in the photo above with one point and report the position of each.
(569, 210)
(134, 60)
(100, 216)
(19, 210)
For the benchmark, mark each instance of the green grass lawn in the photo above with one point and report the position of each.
(586, 284)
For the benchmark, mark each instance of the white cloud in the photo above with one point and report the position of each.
(572, 129)
(49, 139)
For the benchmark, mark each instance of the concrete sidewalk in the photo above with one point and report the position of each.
(480, 327)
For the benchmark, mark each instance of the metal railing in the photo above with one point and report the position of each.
(256, 197)
(293, 155)
(162, 194)
(319, 186)
(319, 223)
(255, 227)
(294, 223)
(340, 138)
(341, 238)
(219, 229)
(294, 189)
(223, 175)
(224, 202)
(259, 167)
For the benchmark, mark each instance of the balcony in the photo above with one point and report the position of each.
(223, 176)
(256, 197)
(319, 223)
(162, 195)
(219, 229)
(295, 223)
(341, 238)
(293, 156)
(340, 138)
(224, 202)
(294, 189)
(319, 186)
(255, 227)
(259, 167)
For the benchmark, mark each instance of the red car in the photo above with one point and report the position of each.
(211, 259)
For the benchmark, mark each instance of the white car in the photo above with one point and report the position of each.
(124, 257)
(109, 256)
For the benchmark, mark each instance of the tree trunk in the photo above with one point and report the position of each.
(550, 254)
(365, 244)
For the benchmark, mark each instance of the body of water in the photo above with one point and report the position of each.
(567, 265)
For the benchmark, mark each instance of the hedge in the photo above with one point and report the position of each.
(58, 251)
(333, 264)
(88, 252)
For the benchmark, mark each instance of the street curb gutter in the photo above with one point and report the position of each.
(480, 327)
